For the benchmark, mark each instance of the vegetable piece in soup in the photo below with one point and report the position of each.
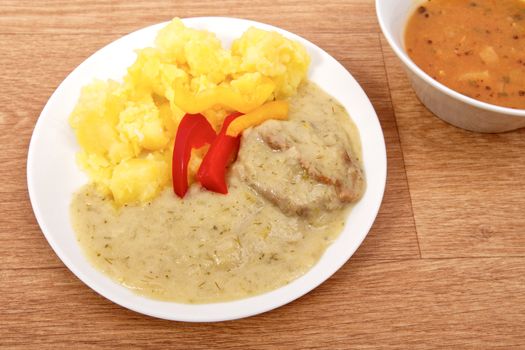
(476, 47)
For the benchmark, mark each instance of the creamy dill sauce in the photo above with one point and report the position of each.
(210, 247)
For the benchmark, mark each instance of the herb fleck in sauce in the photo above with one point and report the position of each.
(209, 247)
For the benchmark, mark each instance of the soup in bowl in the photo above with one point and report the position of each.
(469, 77)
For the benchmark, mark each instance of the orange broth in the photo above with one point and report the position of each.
(476, 47)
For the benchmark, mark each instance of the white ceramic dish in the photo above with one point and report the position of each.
(451, 106)
(53, 175)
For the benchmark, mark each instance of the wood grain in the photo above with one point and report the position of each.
(100, 16)
(443, 266)
(467, 189)
(462, 303)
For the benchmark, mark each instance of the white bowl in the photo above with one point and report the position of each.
(53, 175)
(451, 106)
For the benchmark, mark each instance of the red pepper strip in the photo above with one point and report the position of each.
(194, 132)
(223, 151)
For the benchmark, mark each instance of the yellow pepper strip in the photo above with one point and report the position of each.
(270, 110)
(224, 96)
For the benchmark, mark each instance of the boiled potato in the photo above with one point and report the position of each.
(126, 130)
(138, 180)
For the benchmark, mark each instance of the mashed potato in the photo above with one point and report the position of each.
(126, 129)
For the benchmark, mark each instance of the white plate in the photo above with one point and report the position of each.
(53, 176)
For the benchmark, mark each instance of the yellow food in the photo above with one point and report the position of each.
(126, 129)
(270, 110)
(138, 179)
(273, 56)
(225, 96)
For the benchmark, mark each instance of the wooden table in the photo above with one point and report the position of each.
(444, 264)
